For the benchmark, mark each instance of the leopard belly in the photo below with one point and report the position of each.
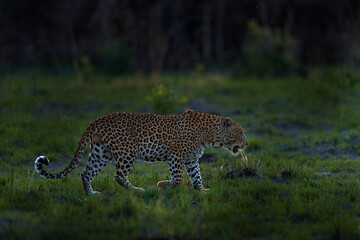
(152, 153)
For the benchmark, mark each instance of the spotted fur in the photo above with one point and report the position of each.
(125, 137)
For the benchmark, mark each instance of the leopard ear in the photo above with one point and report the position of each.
(189, 111)
(227, 122)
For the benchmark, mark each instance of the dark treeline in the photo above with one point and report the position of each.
(173, 34)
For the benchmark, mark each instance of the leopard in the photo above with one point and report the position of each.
(179, 140)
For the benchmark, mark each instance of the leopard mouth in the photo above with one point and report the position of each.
(236, 149)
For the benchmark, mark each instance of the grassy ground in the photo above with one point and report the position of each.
(301, 180)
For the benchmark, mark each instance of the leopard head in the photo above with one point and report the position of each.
(231, 136)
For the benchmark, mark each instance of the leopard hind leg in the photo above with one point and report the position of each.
(124, 163)
(99, 157)
(176, 167)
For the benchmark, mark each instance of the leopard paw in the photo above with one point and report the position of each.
(164, 184)
(201, 188)
(138, 189)
(94, 193)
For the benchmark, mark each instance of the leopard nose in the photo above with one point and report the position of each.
(246, 142)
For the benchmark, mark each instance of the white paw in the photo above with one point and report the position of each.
(163, 184)
(94, 193)
(139, 189)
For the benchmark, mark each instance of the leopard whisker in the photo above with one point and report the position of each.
(243, 155)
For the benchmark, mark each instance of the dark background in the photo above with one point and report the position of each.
(130, 35)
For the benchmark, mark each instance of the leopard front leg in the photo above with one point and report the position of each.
(193, 169)
(176, 167)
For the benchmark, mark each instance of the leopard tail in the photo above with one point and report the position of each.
(74, 163)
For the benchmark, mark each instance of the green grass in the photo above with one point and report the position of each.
(304, 153)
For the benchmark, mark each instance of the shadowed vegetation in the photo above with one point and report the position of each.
(300, 180)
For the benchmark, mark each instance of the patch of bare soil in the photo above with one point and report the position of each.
(327, 149)
(335, 174)
(245, 172)
(291, 126)
(293, 147)
(283, 178)
(333, 150)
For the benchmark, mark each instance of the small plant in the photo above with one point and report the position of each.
(84, 68)
(163, 100)
(114, 58)
(200, 69)
(247, 168)
(268, 52)
(250, 167)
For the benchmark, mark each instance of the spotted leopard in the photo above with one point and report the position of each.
(178, 140)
